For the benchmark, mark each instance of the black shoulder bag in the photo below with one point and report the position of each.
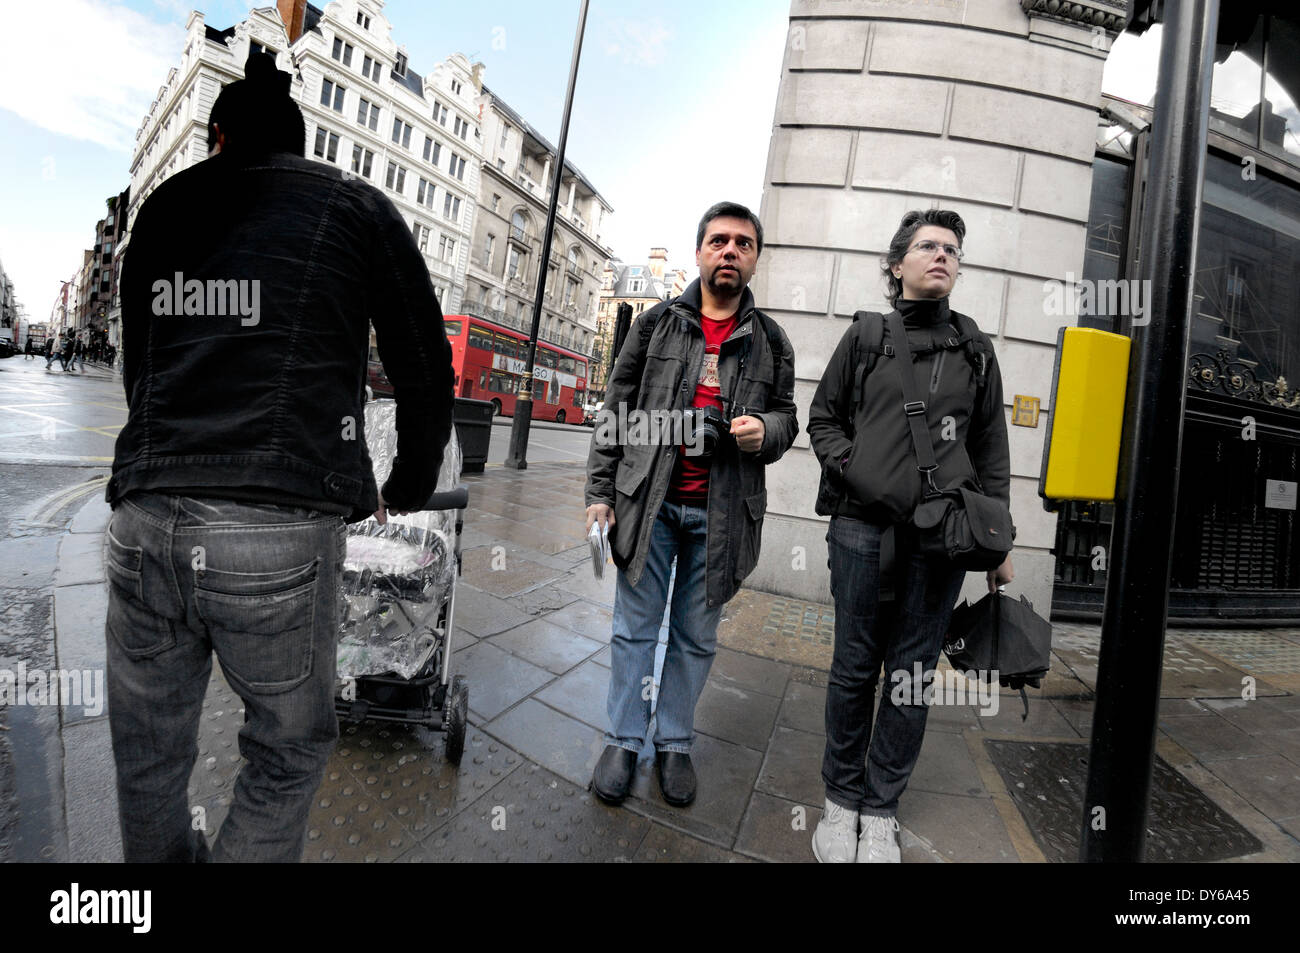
(958, 525)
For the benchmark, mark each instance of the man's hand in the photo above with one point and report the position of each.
(749, 433)
(601, 513)
(1002, 575)
(381, 514)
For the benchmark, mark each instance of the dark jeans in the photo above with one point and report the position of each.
(871, 778)
(260, 586)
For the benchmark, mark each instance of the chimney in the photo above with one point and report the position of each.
(292, 13)
(658, 261)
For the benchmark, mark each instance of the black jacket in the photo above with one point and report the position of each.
(967, 425)
(662, 375)
(260, 397)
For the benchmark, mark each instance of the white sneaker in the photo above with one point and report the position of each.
(878, 843)
(835, 840)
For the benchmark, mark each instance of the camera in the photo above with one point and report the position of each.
(702, 428)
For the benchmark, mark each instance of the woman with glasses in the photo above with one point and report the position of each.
(869, 486)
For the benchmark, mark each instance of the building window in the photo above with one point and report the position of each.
(327, 144)
(496, 202)
(370, 69)
(505, 133)
(424, 194)
(439, 113)
(363, 21)
(451, 208)
(253, 48)
(361, 161)
(421, 236)
(519, 227)
(342, 52)
(432, 151)
(514, 263)
(402, 133)
(368, 114)
(635, 285)
(455, 86)
(399, 67)
(488, 249)
(457, 167)
(331, 95)
(460, 127)
(396, 177)
(446, 248)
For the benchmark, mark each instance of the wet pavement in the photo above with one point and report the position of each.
(532, 634)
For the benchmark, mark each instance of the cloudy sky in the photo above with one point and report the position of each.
(673, 109)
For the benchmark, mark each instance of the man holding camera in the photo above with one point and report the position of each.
(719, 376)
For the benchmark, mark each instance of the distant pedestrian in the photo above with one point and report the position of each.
(69, 347)
(79, 352)
(28, 350)
(49, 351)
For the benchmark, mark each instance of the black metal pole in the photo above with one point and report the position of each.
(517, 458)
(1142, 540)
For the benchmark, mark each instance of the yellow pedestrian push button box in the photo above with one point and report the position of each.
(1081, 452)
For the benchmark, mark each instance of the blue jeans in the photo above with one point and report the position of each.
(681, 532)
(871, 778)
(260, 585)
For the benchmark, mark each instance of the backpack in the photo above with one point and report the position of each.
(871, 345)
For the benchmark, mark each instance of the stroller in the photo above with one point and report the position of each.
(399, 585)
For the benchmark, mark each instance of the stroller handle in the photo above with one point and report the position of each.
(456, 499)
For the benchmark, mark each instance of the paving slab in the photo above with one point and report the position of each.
(545, 645)
(482, 614)
(1253, 717)
(492, 570)
(1211, 739)
(750, 671)
(960, 829)
(665, 845)
(582, 694)
(1271, 783)
(778, 830)
(1044, 720)
(544, 600)
(28, 562)
(1286, 743)
(92, 517)
(79, 616)
(498, 680)
(735, 714)
(565, 745)
(81, 559)
(586, 618)
(348, 826)
(536, 816)
(90, 779)
(803, 708)
(582, 582)
(945, 766)
(792, 767)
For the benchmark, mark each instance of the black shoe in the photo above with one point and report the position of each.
(676, 777)
(613, 776)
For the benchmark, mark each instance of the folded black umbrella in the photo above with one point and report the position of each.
(1000, 635)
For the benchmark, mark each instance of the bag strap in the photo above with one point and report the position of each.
(871, 344)
(913, 405)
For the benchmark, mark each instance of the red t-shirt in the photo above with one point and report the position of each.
(690, 482)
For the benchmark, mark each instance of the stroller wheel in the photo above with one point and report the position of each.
(457, 711)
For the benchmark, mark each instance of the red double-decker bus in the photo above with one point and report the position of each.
(489, 359)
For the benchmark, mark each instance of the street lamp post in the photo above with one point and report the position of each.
(517, 458)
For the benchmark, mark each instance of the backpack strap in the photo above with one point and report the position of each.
(870, 345)
(977, 347)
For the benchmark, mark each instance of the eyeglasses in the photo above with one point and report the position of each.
(932, 248)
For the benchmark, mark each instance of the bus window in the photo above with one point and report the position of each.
(453, 328)
(567, 364)
(546, 357)
(480, 339)
(581, 369)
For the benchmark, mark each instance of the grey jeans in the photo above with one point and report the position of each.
(259, 585)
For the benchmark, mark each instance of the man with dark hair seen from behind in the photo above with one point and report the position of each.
(700, 504)
(247, 289)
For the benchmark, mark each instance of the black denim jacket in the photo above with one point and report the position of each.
(247, 290)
